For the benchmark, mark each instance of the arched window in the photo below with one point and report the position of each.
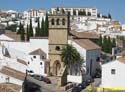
(52, 21)
(63, 21)
(57, 21)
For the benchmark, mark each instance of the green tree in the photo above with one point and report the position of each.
(42, 32)
(22, 35)
(104, 16)
(98, 15)
(89, 13)
(105, 43)
(109, 45)
(31, 29)
(113, 42)
(20, 27)
(57, 9)
(46, 25)
(109, 16)
(74, 12)
(100, 41)
(70, 56)
(27, 33)
(12, 27)
(38, 28)
(62, 10)
(82, 13)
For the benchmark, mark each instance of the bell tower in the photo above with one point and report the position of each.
(58, 38)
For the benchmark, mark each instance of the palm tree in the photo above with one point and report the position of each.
(70, 56)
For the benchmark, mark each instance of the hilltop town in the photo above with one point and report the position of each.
(64, 49)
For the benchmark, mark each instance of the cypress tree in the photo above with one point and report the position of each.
(27, 33)
(89, 13)
(109, 46)
(100, 41)
(104, 47)
(22, 33)
(42, 28)
(62, 10)
(38, 28)
(20, 27)
(113, 42)
(46, 25)
(31, 29)
(109, 16)
(74, 12)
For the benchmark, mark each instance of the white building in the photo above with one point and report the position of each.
(90, 53)
(92, 10)
(113, 74)
(35, 54)
(37, 62)
(123, 27)
(33, 13)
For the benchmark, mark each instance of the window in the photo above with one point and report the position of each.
(63, 21)
(98, 59)
(57, 21)
(34, 56)
(31, 71)
(57, 48)
(43, 57)
(41, 63)
(113, 71)
(52, 21)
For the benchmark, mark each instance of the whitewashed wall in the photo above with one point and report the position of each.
(117, 80)
(34, 64)
(87, 56)
(76, 79)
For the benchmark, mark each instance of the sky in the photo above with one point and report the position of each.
(115, 7)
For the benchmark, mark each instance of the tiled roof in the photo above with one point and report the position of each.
(121, 59)
(87, 44)
(86, 35)
(116, 23)
(21, 61)
(37, 52)
(10, 86)
(13, 73)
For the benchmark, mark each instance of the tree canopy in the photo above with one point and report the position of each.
(70, 56)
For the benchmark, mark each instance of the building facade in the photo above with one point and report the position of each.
(58, 38)
(71, 10)
(33, 13)
(113, 74)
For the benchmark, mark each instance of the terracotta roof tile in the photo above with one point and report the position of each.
(37, 52)
(121, 59)
(21, 61)
(87, 44)
(86, 35)
(11, 86)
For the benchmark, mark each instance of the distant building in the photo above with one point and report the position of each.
(91, 10)
(37, 62)
(123, 27)
(33, 13)
(113, 73)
